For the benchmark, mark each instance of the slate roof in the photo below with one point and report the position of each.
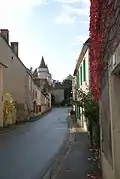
(42, 64)
(58, 85)
(35, 73)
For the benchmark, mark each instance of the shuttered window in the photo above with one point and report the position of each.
(78, 80)
(81, 75)
(84, 70)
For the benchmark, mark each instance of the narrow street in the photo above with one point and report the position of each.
(26, 151)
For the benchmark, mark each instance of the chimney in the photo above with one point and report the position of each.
(14, 46)
(5, 34)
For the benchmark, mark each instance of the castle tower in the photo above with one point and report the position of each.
(43, 70)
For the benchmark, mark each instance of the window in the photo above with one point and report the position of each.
(114, 59)
(84, 70)
(78, 79)
(34, 106)
(106, 124)
(81, 75)
(29, 83)
(35, 94)
(39, 108)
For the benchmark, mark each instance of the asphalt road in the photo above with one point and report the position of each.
(26, 151)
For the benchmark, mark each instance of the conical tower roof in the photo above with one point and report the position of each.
(42, 64)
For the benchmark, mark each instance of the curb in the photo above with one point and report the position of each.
(50, 171)
(36, 118)
(7, 130)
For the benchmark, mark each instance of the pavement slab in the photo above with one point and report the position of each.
(76, 164)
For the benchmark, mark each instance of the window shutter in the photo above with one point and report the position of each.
(84, 69)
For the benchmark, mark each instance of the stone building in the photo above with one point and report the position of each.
(1, 92)
(105, 34)
(58, 92)
(16, 76)
(43, 79)
(18, 80)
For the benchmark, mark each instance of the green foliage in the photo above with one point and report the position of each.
(67, 85)
(91, 108)
(91, 112)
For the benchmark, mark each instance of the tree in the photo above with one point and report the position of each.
(67, 84)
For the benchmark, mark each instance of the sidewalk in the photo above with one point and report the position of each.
(76, 164)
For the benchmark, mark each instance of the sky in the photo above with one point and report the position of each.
(55, 29)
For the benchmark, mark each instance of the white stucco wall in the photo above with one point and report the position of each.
(86, 83)
(43, 73)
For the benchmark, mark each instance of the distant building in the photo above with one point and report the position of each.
(58, 92)
(43, 79)
(43, 72)
(69, 77)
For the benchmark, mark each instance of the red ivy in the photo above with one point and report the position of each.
(95, 64)
(101, 13)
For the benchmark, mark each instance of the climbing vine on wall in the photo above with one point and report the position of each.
(105, 37)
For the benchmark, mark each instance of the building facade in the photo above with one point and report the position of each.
(18, 84)
(58, 92)
(16, 74)
(37, 100)
(81, 81)
(1, 92)
(43, 79)
(105, 43)
(109, 118)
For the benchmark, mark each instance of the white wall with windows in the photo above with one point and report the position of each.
(84, 83)
(84, 72)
